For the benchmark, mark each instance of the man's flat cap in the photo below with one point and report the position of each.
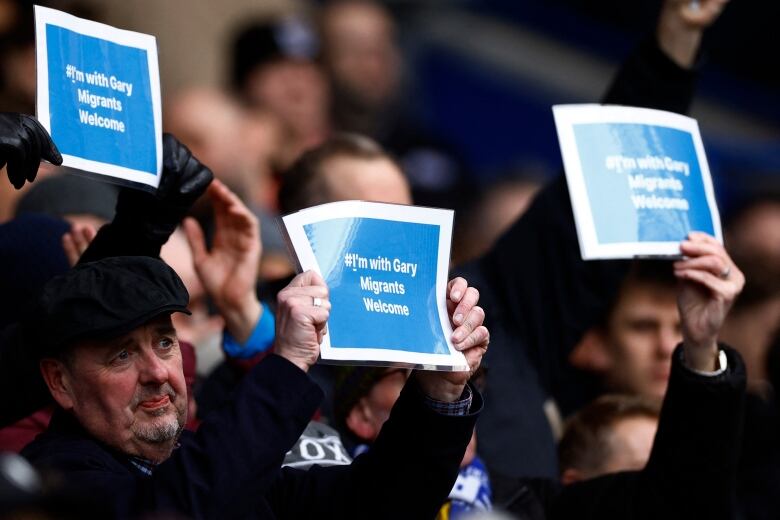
(105, 299)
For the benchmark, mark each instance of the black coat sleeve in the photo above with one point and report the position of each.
(692, 468)
(535, 271)
(408, 472)
(119, 238)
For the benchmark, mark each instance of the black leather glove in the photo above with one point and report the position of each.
(144, 221)
(23, 143)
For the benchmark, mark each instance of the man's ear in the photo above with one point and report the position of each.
(359, 421)
(592, 353)
(58, 379)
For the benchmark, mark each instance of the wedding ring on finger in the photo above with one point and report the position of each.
(317, 302)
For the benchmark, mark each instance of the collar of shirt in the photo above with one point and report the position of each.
(145, 466)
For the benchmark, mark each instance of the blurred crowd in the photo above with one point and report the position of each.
(612, 389)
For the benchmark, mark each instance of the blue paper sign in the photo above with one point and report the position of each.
(380, 285)
(638, 180)
(385, 267)
(99, 96)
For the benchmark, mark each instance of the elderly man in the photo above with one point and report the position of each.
(111, 361)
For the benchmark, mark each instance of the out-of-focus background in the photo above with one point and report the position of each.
(479, 76)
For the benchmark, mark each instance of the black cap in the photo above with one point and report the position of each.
(104, 300)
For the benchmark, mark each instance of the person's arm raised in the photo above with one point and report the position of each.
(144, 221)
(709, 284)
(229, 270)
(681, 26)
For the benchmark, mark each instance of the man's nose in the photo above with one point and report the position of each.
(152, 369)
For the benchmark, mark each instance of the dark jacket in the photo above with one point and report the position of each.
(540, 297)
(692, 468)
(231, 466)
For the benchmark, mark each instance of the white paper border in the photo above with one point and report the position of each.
(566, 116)
(294, 224)
(45, 16)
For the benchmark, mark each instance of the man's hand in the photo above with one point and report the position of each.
(301, 317)
(229, 271)
(23, 143)
(710, 282)
(681, 25)
(469, 337)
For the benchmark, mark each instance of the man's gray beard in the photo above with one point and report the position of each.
(166, 430)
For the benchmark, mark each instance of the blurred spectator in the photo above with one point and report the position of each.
(17, 50)
(17, 58)
(363, 399)
(273, 68)
(752, 234)
(210, 124)
(363, 63)
(347, 166)
(240, 149)
(631, 349)
(759, 471)
(364, 66)
(614, 433)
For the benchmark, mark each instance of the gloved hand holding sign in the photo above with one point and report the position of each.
(23, 143)
(144, 221)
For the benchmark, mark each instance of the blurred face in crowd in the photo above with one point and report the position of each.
(375, 180)
(372, 410)
(359, 50)
(296, 92)
(128, 392)
(209, 123)
(629, 441)
(758, 232)
(641, 334)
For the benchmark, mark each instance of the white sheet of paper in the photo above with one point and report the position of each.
(638, 179)
(98, 95)
(386, 267)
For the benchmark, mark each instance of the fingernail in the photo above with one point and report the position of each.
(455, 295)
(457, 318)
(457, 336)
